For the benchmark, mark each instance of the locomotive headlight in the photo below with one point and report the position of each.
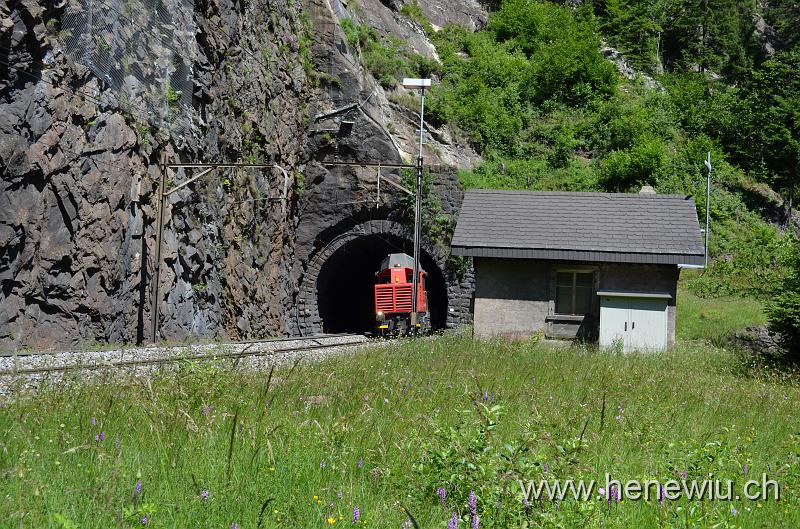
(380, 313)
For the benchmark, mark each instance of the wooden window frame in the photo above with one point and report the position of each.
(574, 273)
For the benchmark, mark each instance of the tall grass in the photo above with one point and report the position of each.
(384, 428)
(715, 319)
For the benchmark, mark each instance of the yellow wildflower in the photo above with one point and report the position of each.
(331, 520)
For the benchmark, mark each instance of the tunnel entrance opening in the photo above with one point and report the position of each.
(346, 281)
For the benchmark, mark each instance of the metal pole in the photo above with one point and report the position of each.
(417, 221)
(708, 202)
(154, 312)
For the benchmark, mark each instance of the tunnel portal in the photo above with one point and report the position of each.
(346, 279)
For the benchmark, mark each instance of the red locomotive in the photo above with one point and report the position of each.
(393, 289)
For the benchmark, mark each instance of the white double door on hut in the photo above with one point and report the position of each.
(633, 321)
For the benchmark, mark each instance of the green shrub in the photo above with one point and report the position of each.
(387, 59)
(531, 173)
(783, 310)
(414, 12)
(533, 57)
(629, 169)
(747, 257)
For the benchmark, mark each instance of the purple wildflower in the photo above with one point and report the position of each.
(745, 468)
(234, 525)
(339, 494)
(405, 525)
(100, 437)
(734, 511)
(145, 521)
(546, 468)
(204, 494)
(684, 474)
(473, 503)
(442, 495)
(360, 463)
(621, 413)
(453, 524)
(485, 396)
(356, 515)
(613, 494)
(526, 503)
(93, 421)
(117, 443)
(322, 464)
(475, 522)
(137, 489)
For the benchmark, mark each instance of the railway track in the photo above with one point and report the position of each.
(19, 354)
(33, 364)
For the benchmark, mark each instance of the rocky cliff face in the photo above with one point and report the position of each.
(80, 181)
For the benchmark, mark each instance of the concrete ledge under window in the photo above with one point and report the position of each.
(566, 317)
(567, 326)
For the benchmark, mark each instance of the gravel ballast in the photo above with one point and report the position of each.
(30, 371)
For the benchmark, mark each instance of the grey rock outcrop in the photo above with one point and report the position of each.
(79, 176)
(759, 340)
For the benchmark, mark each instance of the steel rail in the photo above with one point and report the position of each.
(31, 354)
(175, 359)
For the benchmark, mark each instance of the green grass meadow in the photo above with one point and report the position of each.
(383, 429)
(715, 319)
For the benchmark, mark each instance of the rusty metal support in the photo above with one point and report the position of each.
(186, 183)
(379, 166)
(154, 290)
(155, 312)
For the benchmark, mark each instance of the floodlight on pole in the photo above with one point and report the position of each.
(420, 84)
(410, 83)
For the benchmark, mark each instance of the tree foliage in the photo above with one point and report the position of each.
(771, 118)
(783, 311)
(684, 35)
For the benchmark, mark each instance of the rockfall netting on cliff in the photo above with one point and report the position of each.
(143, 49)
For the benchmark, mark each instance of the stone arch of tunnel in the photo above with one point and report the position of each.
(336, 294)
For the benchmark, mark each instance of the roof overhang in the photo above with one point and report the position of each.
(578, 255)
